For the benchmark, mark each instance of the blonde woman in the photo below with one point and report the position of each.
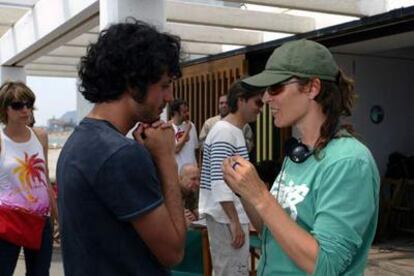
(25, 193)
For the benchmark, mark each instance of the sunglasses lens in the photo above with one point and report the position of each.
(17, 105)
(21, 105)
(29, 105)
(273, 90)
(276, 89)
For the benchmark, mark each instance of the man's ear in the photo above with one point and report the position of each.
(314, 88)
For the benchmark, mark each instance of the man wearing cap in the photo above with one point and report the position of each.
(227, 222)
(321, 213)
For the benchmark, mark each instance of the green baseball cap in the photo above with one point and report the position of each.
(299, 58)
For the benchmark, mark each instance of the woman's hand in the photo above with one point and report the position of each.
(241, 176)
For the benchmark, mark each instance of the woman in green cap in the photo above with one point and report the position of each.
(320, 215)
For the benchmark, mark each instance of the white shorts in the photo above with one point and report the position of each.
(226, 260)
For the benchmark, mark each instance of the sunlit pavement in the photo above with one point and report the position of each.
(384, 260)
(56, 268)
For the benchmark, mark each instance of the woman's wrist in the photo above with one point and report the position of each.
(263, 202)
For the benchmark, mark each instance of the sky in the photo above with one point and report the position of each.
(54, 97)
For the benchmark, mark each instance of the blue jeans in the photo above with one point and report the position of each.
(37, 261)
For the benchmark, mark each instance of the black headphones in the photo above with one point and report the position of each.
(296, 150)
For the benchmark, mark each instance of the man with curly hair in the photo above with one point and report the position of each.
(120, 201)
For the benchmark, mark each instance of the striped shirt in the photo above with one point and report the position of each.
(224, 140)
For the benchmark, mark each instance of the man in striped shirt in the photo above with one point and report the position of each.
(227, 222)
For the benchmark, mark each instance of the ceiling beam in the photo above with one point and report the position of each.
(217, 35)
(45, 73)
(56, 60)
(193, 33)
(83, 40)
(22, 4)
(9, 15)
(68, 51)
(66, 58)
(40, 30)
(344, 7)
(51, 67)
(200, 48)
(236, 18)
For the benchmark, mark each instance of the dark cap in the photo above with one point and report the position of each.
(299, 58)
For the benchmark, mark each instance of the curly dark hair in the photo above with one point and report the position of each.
(127, 56)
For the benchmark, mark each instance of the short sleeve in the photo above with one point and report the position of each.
(127, 183)
(203, 133)
(222, 147)
(194, 138)
(346, 203)
(248, 136)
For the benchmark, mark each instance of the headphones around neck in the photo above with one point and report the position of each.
(296, 150)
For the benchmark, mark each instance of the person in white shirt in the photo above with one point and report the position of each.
(227, 222)
(223, 111)
(185, 134)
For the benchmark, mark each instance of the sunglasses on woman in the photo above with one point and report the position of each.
(276, 89)
(20, 105)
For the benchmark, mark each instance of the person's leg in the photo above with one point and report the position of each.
(38, 261)
(225, 259)
(9, 253)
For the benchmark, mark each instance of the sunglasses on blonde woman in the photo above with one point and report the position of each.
(20, 105)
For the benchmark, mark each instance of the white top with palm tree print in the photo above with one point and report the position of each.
(23, 182)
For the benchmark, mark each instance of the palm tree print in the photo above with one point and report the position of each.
(29, 172)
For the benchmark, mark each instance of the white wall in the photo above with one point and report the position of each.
(387, 82)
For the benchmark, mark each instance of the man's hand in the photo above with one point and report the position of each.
(158, 138)
(138, 133)
(188, 126)
(186, 135)
(189, 217)
(236, 231)
(237, 235)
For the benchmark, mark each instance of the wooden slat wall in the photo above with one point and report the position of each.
(270, 142)
(201, 86)
(264, 135)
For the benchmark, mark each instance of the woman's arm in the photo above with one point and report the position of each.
(298, 244)
(345, 209)
(44, 141)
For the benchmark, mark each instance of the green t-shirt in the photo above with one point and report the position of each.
(335, 199)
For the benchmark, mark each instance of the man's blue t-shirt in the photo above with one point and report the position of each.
(105, 180)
